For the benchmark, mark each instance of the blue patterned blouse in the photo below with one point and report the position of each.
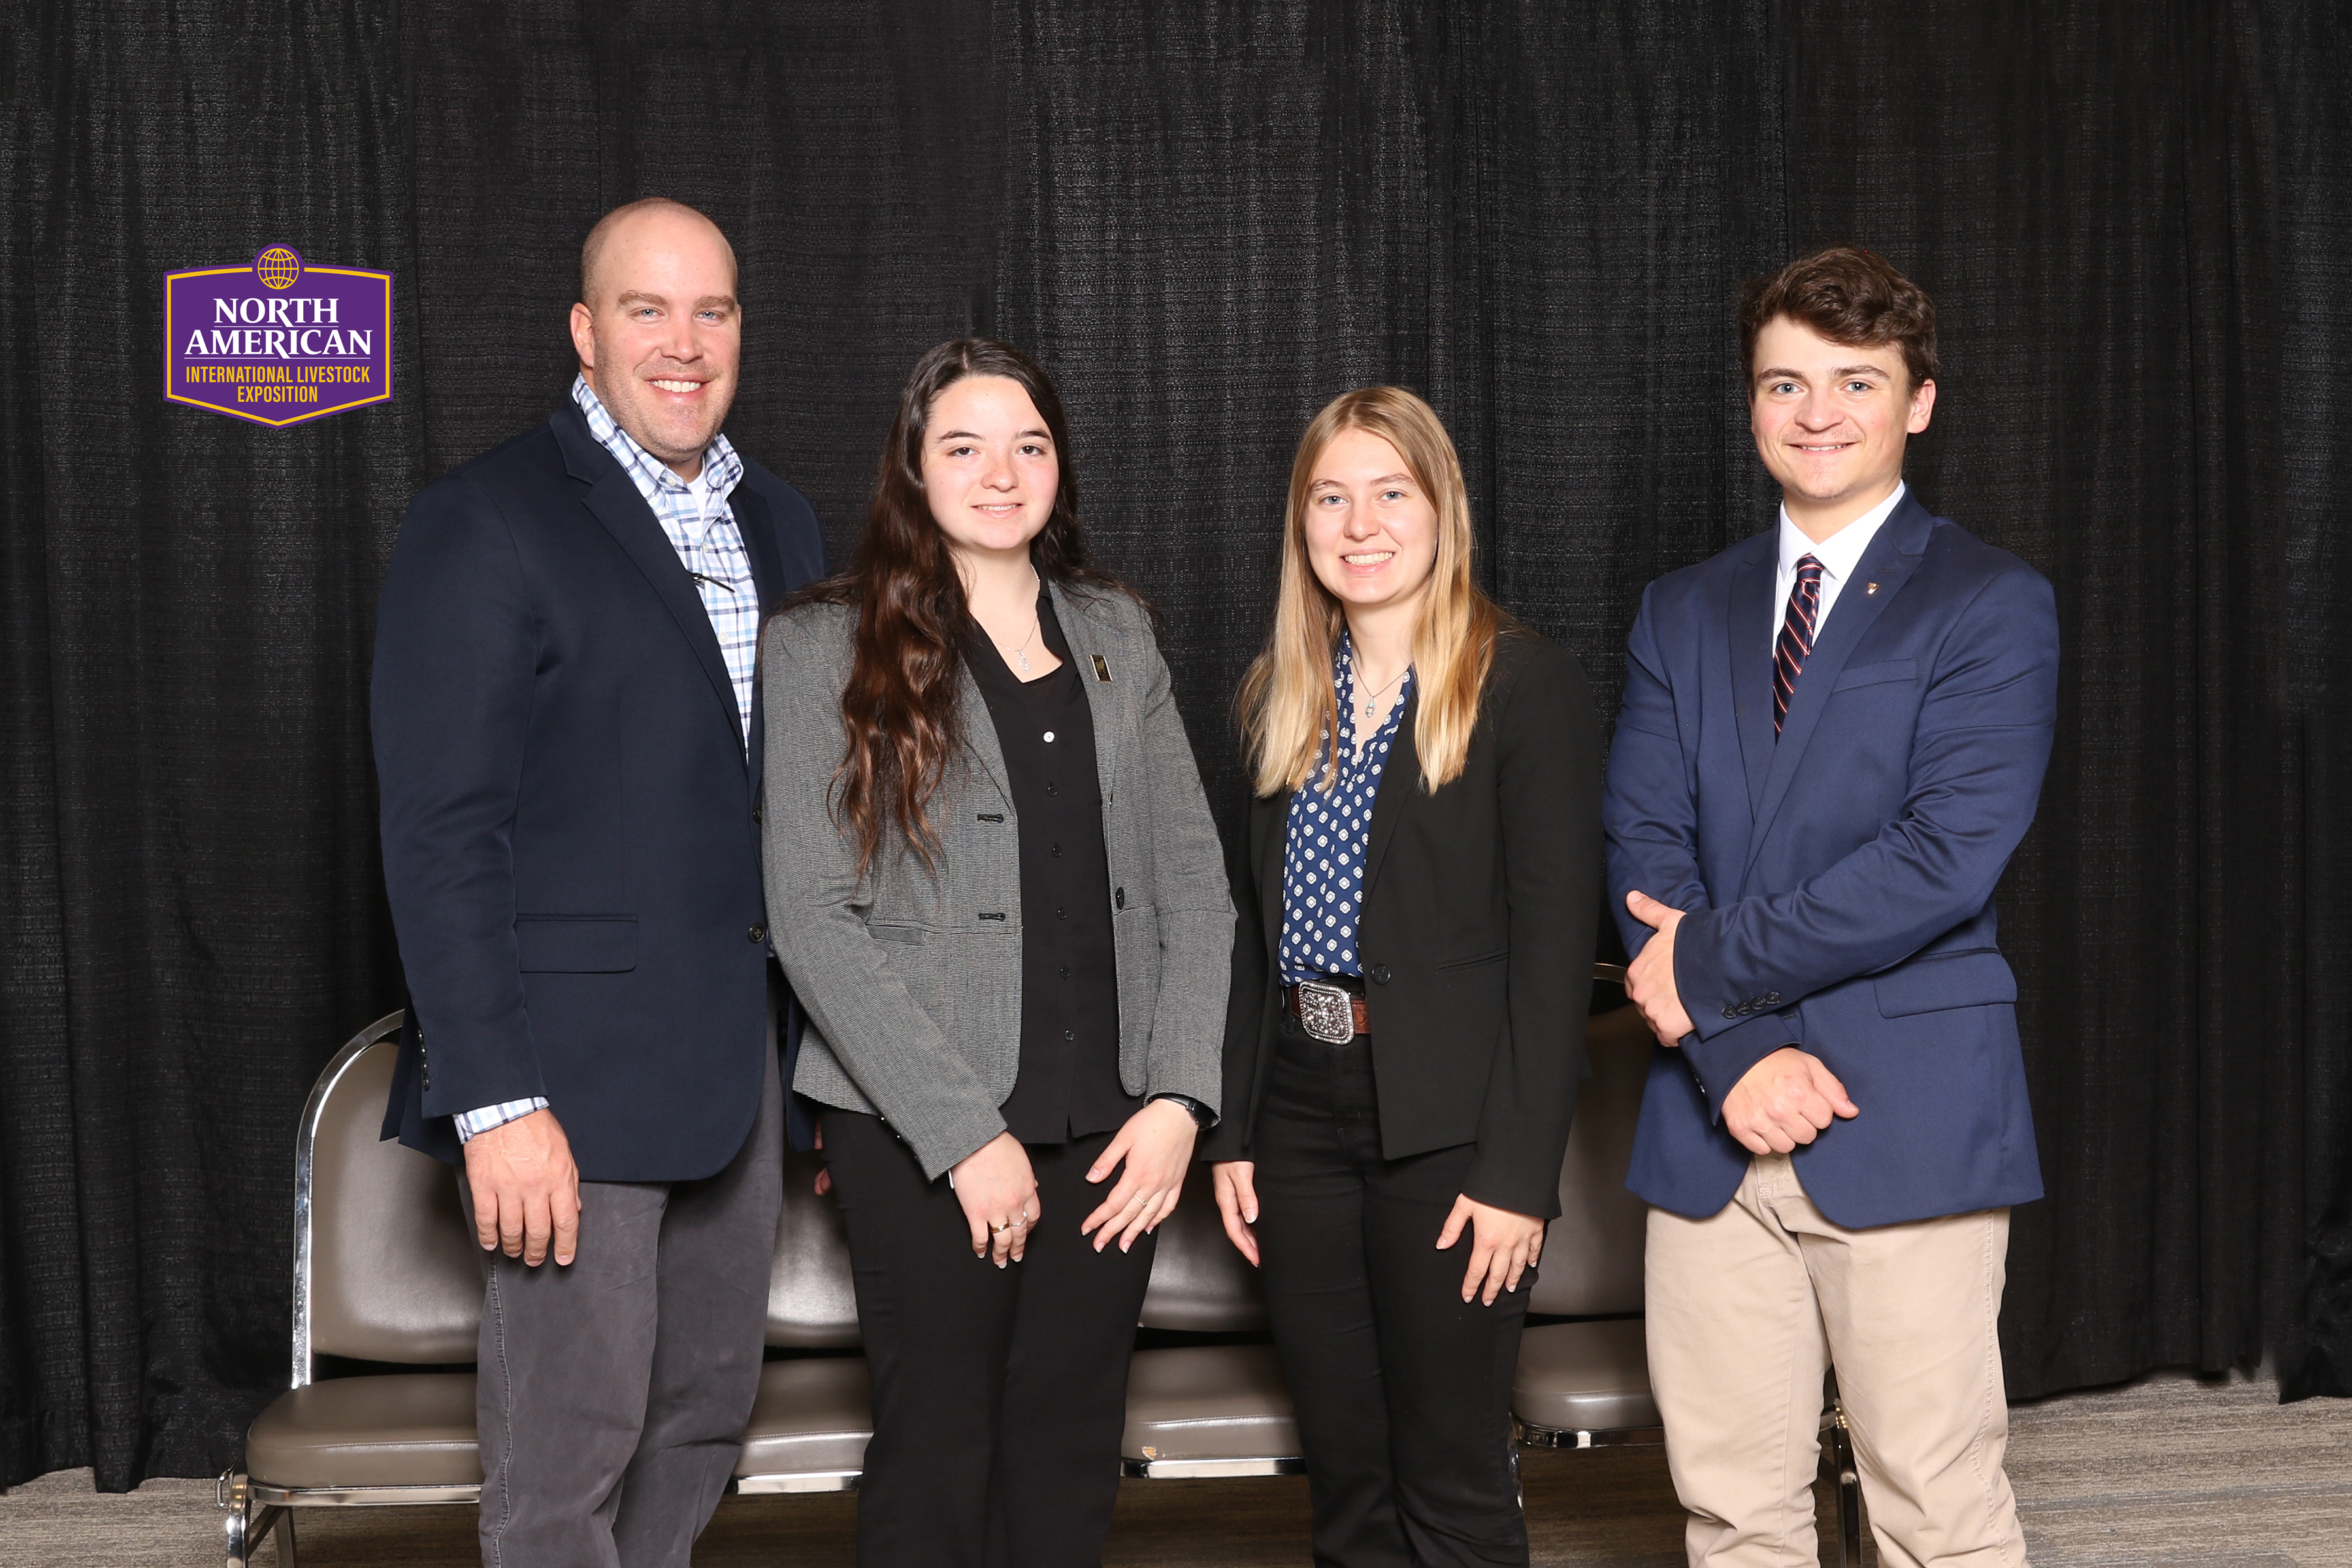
(1323, 854)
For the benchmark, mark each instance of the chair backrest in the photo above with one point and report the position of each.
(384, 1269)
(1592, 1252)
(1198, 1283)
(812, 1301)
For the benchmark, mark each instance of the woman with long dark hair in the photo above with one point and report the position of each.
(996, 889)
(1418, 895)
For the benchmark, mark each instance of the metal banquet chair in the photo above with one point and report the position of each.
(384, 1273)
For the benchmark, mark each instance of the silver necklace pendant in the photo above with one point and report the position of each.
(1021, 657)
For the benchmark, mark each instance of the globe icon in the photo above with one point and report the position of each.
(278, 267)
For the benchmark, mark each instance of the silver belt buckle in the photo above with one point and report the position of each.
(1326, 1013)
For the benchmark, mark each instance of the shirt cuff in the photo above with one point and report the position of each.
(471, 1122)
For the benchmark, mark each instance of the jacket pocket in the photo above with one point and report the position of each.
(1978, 978)
(909, 936)
(1872, 674)
(576, 944)
(1496, 956)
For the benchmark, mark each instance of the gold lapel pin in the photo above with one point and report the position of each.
(1102, 669)
(1869, 588)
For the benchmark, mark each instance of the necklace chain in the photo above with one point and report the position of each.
(1037, 623)
(1371, 697)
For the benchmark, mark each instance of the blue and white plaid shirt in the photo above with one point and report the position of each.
(701, 529)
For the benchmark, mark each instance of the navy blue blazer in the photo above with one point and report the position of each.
(1839, 884)
(570, 840)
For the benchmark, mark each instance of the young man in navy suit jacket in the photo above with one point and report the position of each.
(1833, 738)
(568, 743)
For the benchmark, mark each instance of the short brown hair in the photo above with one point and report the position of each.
(1849, 296)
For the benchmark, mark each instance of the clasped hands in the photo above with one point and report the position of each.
(1783, 1100)
(1504, 1245)
(998, 1188)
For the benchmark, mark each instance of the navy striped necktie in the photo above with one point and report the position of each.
(1796, 640)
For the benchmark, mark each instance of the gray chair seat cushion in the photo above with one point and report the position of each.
(1584, 1377)
(408, 1429)
(1208, 1402)
(811, 1417)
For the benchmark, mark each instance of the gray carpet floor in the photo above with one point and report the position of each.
(2166, 1473)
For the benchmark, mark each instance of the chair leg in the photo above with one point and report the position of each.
(1849, 1481)
(285, 1534)
(231, 1493)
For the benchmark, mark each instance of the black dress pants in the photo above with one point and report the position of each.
(998, 1394)
(1403, 1391)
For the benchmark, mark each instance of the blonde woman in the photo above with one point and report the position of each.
(1418, 892)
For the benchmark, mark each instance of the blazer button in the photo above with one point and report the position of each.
(755, 813)
(1731, 1012)
(1771, 996)
(1380, 974)
(1118, 895)
(759, 934)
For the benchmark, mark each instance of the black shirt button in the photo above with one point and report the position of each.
(1060, 913)
(1050, 789)
(1380, 974)
(1057, 851)
(1069, 1034)
(759, 934)
(1065, 972)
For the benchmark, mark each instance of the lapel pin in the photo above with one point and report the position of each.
(1102, 669)
(1869, 588)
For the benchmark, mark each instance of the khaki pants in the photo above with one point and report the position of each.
(1748, 1307)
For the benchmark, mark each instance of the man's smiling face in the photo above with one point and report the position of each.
(1831, 419)
(660, 335)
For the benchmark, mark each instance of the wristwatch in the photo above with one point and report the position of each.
(1202, 1117)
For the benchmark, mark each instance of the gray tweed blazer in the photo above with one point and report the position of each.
(912, 986)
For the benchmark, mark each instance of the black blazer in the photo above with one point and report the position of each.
(569, 840)
(1476, 936)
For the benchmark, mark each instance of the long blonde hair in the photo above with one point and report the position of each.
(1288, 706)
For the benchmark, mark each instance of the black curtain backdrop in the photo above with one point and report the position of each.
(1207, 219)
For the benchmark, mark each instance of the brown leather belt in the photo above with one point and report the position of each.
(1356, 1006)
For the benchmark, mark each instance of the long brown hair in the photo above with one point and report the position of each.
(899, 709)
(1288, 709)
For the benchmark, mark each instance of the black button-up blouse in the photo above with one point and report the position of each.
(1067, 1085)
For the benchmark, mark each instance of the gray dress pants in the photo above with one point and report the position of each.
(613, 1391)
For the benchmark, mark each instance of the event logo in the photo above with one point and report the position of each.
(279, 341)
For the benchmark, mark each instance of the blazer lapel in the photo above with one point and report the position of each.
(617, 505)
(1270, 816)
(1400, 780)
(1109, 701)
(980, 729)
(758, 532)
(1751, 616)
(759, 535)
(1889, 562)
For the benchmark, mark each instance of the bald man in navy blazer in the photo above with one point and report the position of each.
(568, 741)
(1834, 737)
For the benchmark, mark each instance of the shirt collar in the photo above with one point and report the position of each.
(722, 470)
(1842, 552)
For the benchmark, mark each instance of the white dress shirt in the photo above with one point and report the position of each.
(1839, 554)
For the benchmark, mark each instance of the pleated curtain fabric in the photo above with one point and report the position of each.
(1206, 220)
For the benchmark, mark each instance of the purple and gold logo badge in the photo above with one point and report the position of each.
(279, 340)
